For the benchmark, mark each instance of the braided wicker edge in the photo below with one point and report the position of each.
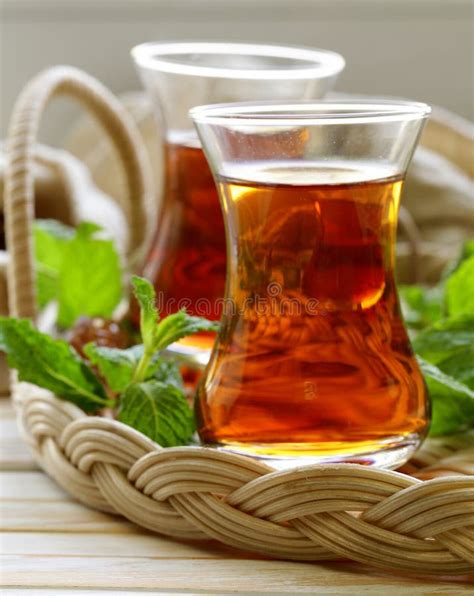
(402, 523)
(323, 512)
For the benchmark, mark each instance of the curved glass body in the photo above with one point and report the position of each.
(187, 260)
(312, 362)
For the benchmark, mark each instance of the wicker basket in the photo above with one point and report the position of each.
(388, 519)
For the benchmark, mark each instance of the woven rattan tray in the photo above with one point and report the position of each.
(420, 521)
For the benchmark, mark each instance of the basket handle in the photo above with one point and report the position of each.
(19, 183)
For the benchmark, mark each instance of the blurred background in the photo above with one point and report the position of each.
(419, 49)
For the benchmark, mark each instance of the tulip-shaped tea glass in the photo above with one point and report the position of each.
(312, 362)
(187, 261)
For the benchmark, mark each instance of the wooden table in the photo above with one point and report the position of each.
(51, 544)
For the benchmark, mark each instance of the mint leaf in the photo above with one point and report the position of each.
(449, 345)
(421, 306)
(452, 401)
(115, 365)
(468, 249)
(460, 366)
(51, 364)
(79, 270)
(86, 229)
(159, 411)
(90, 277)
(50, 235)
(179, 325)
(168, 372)
(445, 338)
(145, 294)
(50, 238)
(445, 344)
(460, 289)
(157, 334)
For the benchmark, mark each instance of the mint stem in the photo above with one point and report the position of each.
(142, 366)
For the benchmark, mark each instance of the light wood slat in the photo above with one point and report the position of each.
(330, 590)
(30, 486)
(60, 516)
(140, 544)
(8, 427)
(205, 575)
(14, 454)
(208, 576)
(95, 592)
(6, 408)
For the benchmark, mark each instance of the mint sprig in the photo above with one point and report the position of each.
(51, 363)
(156, 334)
(153, 399)
(441, 323)
(452, 401)
(143, 387)
(78, 269)
(117, 366)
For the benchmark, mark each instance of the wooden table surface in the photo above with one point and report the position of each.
(51, 544)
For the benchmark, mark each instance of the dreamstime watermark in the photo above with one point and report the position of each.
(273, 301)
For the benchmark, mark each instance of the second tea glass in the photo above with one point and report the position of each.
(312, 362)
(187, 261)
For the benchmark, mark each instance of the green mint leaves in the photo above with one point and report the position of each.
(446, 350)
(442, 322)
(156, 334)
(78, 269)
(51, 364)
(145, 389)
(152, 397)
(421, 306)
(452, 401)
(145, 294)
(159, 411)
(445, 339)
(116, 366)
(50, 238)
(460, 289)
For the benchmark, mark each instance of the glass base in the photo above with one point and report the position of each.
(389, 453)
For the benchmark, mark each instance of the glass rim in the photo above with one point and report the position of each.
(152, 56)
(277, 113)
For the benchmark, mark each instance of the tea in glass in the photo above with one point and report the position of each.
(312, 362)
(187, 260)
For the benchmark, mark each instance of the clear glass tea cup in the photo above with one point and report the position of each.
(312, 362)
(187, 260)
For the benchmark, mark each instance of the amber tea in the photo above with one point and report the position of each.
(314, 358)
(187, 262)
